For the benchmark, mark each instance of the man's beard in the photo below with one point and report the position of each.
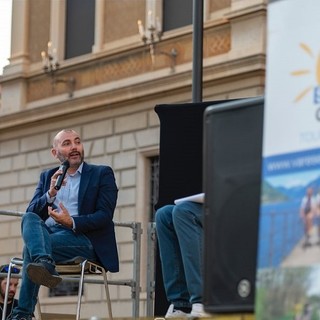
(10, 296)
(62, 158)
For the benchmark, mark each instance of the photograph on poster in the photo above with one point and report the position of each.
(288, 276)
(289, 232)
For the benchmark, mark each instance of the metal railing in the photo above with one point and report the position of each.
(134, 282)
(152, 241)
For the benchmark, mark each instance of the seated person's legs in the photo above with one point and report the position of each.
(171, 261)
(180, 237)
(38, 261)
(187, 221)
(66, 245)
(52, 245)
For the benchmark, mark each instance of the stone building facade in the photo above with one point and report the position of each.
(111, 104)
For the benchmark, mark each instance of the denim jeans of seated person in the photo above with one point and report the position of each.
(180, 237)
(42, 243)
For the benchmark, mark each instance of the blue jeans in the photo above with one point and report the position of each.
(180, 239)
(41, 242)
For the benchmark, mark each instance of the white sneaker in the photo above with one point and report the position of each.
(198, 311)
(173, 313)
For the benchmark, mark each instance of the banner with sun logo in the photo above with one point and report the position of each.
(288, 273)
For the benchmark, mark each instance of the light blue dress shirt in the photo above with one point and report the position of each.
(68, 195)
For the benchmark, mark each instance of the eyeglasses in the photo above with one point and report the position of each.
(5, 269)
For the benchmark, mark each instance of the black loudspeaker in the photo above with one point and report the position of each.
(181, 165)
(232, 159)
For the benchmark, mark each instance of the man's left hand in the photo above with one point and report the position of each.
(63, 217)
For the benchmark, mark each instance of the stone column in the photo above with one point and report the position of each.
(13, 84)
(58, 27)
(99, 26)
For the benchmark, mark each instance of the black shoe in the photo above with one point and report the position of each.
(43, 273)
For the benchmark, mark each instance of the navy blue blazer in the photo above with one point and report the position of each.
(97, 200)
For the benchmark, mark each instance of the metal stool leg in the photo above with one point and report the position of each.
(38, 308)
(81, 282)
(4, 310)
(106, 286)
(83, 266)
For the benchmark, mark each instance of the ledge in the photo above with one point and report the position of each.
(142, 87)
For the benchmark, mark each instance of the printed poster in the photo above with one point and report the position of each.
(288, 272)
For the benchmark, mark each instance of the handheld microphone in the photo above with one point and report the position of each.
(64, 167)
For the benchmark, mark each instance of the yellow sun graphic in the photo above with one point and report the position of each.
(302, 72)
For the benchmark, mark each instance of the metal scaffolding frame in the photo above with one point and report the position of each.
(134, 282)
